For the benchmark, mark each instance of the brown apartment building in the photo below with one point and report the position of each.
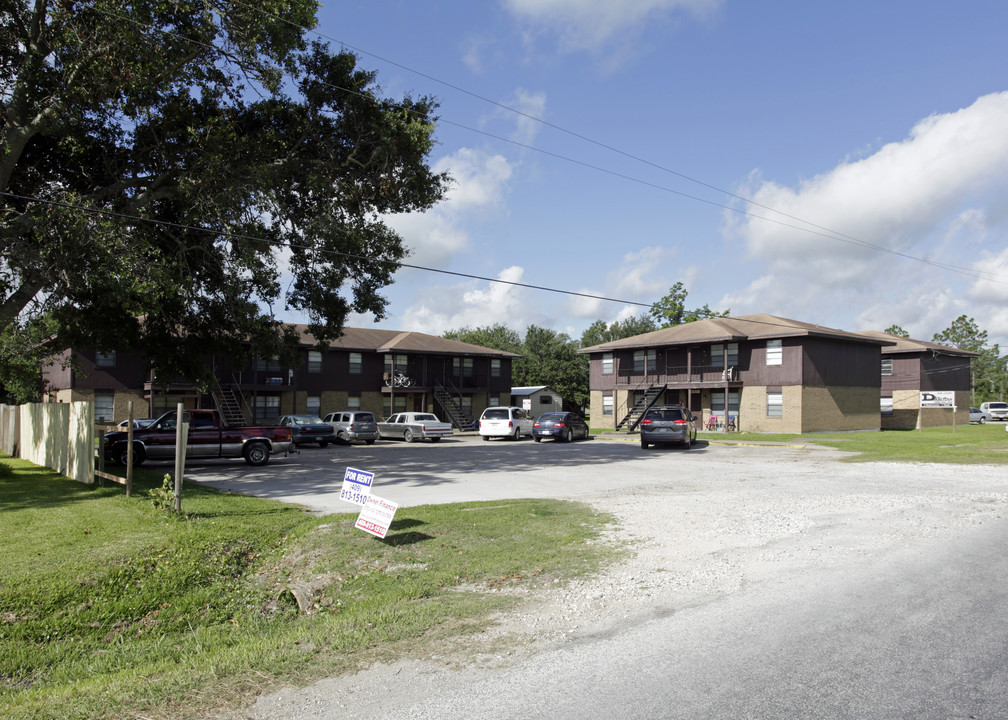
(452, 379)
(911, 367)
(759, 373)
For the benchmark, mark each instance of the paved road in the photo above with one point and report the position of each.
(464, 469)
(768, 582)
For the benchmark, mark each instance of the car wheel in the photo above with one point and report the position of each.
(434, 439)
(517, 434)
(256, 454)
(983, 420)
(537, 439)
(644, 444)
(323, 443)
(342, 438)
(408, 436)
(486, 438)
(138, 455)
(570, 436)
(688, 442)
(370, 442)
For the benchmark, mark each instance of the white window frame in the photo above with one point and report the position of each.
(105, 359)
(313, 405)
(356, 363)
(353, 402)
(607, 363)
(886, 406)
(104, 407)
(314, 361)
(775, 352)
(886, 367)
(495, 367)
(607, 404)
(775, 404)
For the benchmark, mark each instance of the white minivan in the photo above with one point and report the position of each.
(996, 410)
(505, 422)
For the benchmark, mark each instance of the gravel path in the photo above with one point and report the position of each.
(741, 520)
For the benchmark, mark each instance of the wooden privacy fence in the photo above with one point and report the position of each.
(59, 436)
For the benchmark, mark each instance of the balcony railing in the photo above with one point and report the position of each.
(681, 375)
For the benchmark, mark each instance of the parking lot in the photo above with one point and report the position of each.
(464, 468)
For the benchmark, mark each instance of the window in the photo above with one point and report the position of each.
(394, 363)
(356, 363)
(400, 405)
(165, 403)
(353, 401)
(774, 404)
(105, 359)
(104, 407)
(885, 406)
(774, 352)
(717, 401)
(545, 399)
(266, 407)
(887, 370)
(314, 405)
(314, 361)
(645, 361)
(494, 400)
(462, 367)
(268, 364)
(717, 352)
(607, 363)
(495, 367)
(607, 405)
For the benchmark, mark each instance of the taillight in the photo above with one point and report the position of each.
(646, 422)
(510, 423)
(678, 422)
(559, 424)
(536, 424)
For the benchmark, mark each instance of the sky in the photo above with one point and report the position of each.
(844, 164)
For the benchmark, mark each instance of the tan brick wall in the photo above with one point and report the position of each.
(753, 410)
(120, 405)
(598, 420)
(845, 408)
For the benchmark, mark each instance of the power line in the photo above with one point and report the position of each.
(335, 253)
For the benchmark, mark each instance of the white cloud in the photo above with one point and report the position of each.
(479, 187)
(930, 196)
(591, 24)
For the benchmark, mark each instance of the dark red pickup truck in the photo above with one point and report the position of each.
(207, 438)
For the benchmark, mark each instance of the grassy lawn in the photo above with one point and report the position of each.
(111, 608)
(966, 445)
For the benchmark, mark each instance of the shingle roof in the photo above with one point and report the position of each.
(726, 329)
(378, 340)
(909, 345)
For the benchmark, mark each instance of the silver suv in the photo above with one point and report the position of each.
(350, 425)
(667, 424)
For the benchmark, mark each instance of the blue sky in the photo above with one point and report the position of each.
(878, 129)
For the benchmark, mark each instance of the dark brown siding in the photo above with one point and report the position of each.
(945, 372)
(757, 372)
(841, 364)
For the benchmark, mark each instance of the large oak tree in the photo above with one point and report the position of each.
(174, 171)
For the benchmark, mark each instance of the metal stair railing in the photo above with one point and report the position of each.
(231, 404)
(446, 399)
(633, 417)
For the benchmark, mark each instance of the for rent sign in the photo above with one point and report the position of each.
(356, 486)
(376, 516)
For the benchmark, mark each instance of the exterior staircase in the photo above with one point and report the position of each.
(456, 415)
(632, 419)
(230, 404)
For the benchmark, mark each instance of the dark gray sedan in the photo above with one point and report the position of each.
(308, 428)
(560, 426)
(667, 424)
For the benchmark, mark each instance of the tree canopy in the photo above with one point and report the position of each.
(671, 310)
(172, 174)
(989, 372)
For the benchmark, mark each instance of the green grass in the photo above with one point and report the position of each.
(966, 445)
(111, 608)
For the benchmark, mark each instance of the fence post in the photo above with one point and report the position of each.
(181, 437)
(129, 452)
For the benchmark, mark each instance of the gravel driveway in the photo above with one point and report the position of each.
(709, 526)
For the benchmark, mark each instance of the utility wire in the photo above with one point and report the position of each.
(336, 253)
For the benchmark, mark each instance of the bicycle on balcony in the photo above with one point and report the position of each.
(398, 379)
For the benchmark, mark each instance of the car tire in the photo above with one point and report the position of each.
(370, 442)
(537, 439)
(983, 420)
(517, 434)
(688, 442)
(256, 454)
(486, 438)
(408, 436)
(138, 455)
(323, 443)
(434, 439)
(570, 436)
(342, 438)
(644, 444)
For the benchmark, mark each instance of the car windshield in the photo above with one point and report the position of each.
(496, 414)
